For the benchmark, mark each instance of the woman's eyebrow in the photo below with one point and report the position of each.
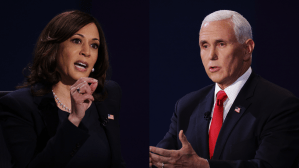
(83, 36)
(79, 35)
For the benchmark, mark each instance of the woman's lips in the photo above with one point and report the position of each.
(80, 68)
(81, 65)
(214, 68)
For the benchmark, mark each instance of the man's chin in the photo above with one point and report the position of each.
(215, 78)
(220, 81)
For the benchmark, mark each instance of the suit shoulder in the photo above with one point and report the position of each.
(21, 95)
(273, 91)
(111, 85)
(113, 93)
(113, 90)
(19, 102)
(196, 96)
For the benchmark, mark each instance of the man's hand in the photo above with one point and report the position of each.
(185, 157)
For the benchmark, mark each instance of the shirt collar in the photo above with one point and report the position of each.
(233, 90)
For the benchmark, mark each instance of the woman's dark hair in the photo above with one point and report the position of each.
(44, 68)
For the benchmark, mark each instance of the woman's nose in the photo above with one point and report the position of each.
(85, 50)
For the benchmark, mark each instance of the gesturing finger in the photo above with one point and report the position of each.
(76, 87)
(161, 160)
(88, 79)
(160, 151)
(85, 79)
(150, 160)
(81, 88)
(85, 88)
(157, 158)
(87, 97)
(183, 138)
(94, 85)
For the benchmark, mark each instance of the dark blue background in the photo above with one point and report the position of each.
(154, 53)
(126, 27)
(175, 64)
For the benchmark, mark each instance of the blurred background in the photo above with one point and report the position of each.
(154, 53)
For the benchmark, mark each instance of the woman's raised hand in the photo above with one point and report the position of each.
(81, 98)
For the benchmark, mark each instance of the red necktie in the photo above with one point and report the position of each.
(217, 121)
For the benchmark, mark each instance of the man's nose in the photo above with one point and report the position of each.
(213, 54)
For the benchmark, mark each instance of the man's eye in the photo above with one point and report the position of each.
(204, 46)
(222, 44)
(77, 41)
(95, 46)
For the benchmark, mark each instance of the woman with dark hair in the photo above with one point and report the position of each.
(65, 114)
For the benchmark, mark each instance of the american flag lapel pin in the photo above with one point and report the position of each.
(237, 109)
(110, 116)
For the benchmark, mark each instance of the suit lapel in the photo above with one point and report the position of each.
(111, 128)
(203, 120)
(49, 112)
(243, 102)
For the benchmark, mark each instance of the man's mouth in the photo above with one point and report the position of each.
(214, 68)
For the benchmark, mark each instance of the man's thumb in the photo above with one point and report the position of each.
(183, 138)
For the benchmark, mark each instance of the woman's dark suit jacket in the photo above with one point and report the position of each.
(30, 126)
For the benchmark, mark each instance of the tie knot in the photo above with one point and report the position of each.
(221, 96)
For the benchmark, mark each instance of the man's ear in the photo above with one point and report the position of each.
(249, 46)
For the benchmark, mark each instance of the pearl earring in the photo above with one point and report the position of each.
(92, 70)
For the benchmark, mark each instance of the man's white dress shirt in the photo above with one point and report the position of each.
(232, 92)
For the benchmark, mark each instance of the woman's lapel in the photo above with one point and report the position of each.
(49, 112)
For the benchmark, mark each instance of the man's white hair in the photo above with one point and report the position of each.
(242, 27)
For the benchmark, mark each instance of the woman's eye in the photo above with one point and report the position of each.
(95, 46)
(77, 41)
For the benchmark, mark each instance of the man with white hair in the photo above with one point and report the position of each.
(242, 120)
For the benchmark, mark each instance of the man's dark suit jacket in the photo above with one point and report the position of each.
(30, 128)
(264, 134)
